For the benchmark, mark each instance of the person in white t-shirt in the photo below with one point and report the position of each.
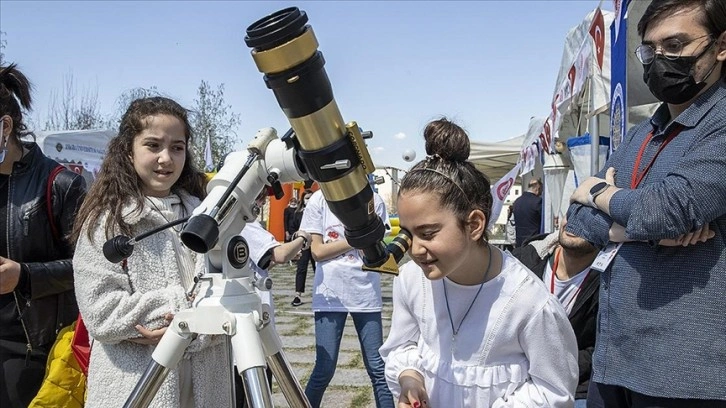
(471, 325)
(341, 287)
(265, 252)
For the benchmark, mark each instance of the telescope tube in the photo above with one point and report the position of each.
(285, 50)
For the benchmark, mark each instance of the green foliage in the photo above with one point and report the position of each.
(212, 118)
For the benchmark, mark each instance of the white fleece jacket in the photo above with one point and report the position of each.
(113, 301)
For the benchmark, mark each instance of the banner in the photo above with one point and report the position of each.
(528, 158)
(500, 191)
(618, 75)
(585, 69)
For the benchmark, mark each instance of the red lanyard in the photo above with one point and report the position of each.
(637, 176)
(554, 272)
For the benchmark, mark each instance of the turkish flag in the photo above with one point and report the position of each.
(597, 31)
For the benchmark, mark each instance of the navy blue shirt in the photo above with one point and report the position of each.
(527, 217)
(662, 319)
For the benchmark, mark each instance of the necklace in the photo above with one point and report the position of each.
(455, 330)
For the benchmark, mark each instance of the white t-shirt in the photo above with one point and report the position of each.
(260, 242)
(565, 291)
(340, 285)
(516, 346)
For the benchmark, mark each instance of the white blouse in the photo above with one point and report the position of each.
(516, 347)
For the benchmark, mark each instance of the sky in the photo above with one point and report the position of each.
(393, 65)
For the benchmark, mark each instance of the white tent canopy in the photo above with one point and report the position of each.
(497, 158)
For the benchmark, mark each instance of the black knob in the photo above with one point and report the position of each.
(118, 248)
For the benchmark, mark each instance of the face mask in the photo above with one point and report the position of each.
(672, 81)
(3, 142)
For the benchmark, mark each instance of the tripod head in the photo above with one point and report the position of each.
(232, 193)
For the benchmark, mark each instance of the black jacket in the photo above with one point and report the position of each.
(583, 316)
(292, 219)
(527, 211)
(44, 294)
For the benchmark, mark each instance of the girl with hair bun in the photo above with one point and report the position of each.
(471, 326)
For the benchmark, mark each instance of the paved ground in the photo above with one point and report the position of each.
(351, 386)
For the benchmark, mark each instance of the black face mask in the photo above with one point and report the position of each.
(671, 80)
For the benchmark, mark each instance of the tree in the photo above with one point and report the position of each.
(123, 102)
(212, 119)
(69, 111)
(3, 44)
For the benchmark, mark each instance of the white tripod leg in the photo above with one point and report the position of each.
(250, 358)
(166, 356)
(280, 366)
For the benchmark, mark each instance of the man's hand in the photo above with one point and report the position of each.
(582, 193)
(152, 337)
(702, 234)
(413, 390)
(9, 275)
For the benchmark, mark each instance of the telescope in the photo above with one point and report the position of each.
(285, 50)
(319, 147)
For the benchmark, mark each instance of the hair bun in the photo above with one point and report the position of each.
(447, 140)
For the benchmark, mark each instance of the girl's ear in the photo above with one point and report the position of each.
(7, 127)
(476, 224)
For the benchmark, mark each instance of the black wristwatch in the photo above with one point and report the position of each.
(595, 191)
(306, 240)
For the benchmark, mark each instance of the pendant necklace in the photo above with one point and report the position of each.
(455, 330)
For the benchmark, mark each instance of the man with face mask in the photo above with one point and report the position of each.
(661, 338)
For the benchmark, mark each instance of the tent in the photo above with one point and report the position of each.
(80, 150)
(580, 104)
(497, 158)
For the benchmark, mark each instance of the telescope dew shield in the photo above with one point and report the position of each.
(284, 49)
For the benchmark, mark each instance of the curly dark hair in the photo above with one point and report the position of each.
(117, 181)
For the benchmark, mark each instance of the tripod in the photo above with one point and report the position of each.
(227, 304)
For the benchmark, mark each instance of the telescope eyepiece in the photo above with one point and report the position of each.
(276, 29)
(201, 233)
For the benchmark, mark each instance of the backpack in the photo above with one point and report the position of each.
(80, 344)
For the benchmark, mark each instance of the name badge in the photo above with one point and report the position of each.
(606, 256)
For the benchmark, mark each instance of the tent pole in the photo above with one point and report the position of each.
(594, 130)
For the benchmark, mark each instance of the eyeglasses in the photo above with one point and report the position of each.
(670, 49)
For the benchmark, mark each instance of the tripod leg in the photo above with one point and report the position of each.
(165, 357)
(281, 369)
(250, 359)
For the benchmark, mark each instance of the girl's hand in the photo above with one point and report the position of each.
(152, 337)
(413, 390)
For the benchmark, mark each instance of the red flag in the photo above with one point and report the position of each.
(597, 31)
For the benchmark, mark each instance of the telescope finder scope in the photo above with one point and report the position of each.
(285, 50)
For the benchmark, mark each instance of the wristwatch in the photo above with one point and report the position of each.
(306, 239)
(595, 191)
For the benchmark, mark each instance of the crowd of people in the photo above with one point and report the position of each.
(622, 306)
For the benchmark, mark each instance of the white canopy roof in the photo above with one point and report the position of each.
(497, 158)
